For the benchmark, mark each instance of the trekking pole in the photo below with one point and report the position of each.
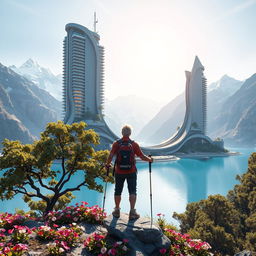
(151, 211)
(105, 192)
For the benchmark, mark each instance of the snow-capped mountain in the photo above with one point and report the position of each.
(226, 85)
(41, 76)
(25, 109)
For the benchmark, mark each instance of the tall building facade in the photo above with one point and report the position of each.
(83, 75)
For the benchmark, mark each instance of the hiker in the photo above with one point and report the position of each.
(125, 151)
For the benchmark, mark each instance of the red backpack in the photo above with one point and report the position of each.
(125, 158)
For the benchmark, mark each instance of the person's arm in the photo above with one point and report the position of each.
(146, 158)
(140, 154)
(111, 155)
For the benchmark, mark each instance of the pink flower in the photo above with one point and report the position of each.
(6, 249)
(163, 251)
(10, 231)
(64, 245)
(113, 251)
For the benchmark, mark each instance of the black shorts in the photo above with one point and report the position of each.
(131, 182)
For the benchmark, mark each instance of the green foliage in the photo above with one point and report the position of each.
(213, 220)
(163, 224)
(227, 223)
(200, 145)
(26, 169)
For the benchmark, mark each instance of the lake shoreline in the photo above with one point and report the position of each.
(206, 155)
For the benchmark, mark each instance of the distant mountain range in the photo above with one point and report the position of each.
(132, 109)
(30, 98)
(25, 109)
(41, 76)
(231, 114)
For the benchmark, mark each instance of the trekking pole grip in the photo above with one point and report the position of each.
(150, 163)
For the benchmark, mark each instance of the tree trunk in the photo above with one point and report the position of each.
(50, 205)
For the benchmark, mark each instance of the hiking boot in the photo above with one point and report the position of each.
(116, 212)
(133, 215)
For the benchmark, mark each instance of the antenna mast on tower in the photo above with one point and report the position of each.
(95, 22)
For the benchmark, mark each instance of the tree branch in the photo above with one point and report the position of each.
(41, 182)
(39, 194)
(69, 175)
(24, 193)
(63, 174)
(73, 189)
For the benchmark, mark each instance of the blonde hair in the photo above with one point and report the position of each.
(127, 130)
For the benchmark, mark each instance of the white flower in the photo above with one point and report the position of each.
(22, 231)
(119, 242)
(61, 250)
(45, 228)
(74, 224)
(125, 248)
(196, 240)
(54, 218)
(103, 250)
(206, 246)
(82, 228)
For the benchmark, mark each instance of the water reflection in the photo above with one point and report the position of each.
(173, 185)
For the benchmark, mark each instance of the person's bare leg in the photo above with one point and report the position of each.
(117, 201)
(132, 199)
(116, 212)
(133, 215)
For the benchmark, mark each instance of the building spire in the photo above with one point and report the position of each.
(95, 22)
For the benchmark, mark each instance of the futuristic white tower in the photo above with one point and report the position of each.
(83, 91)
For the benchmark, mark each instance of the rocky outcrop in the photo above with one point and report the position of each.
(143, 239)
(244, 253)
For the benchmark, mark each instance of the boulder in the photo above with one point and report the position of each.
(143, 239)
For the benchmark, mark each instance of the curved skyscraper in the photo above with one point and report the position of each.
(83, 81)
(83, 94)
(83, 91)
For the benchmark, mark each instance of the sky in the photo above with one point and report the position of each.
(148, 43)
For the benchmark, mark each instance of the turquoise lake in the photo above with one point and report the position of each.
(174, 184)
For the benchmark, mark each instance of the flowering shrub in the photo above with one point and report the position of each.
(9, 249)
(45, 233)
(2, 235)
(78, 213)
(57, 248)
(161, 221)
(98, 245)
(20, 234)
(68, 235)
(8, 220)
(78, 229)
(182, 244)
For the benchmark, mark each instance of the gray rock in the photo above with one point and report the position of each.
(244, 253)
(143, 239)
(33, 224)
